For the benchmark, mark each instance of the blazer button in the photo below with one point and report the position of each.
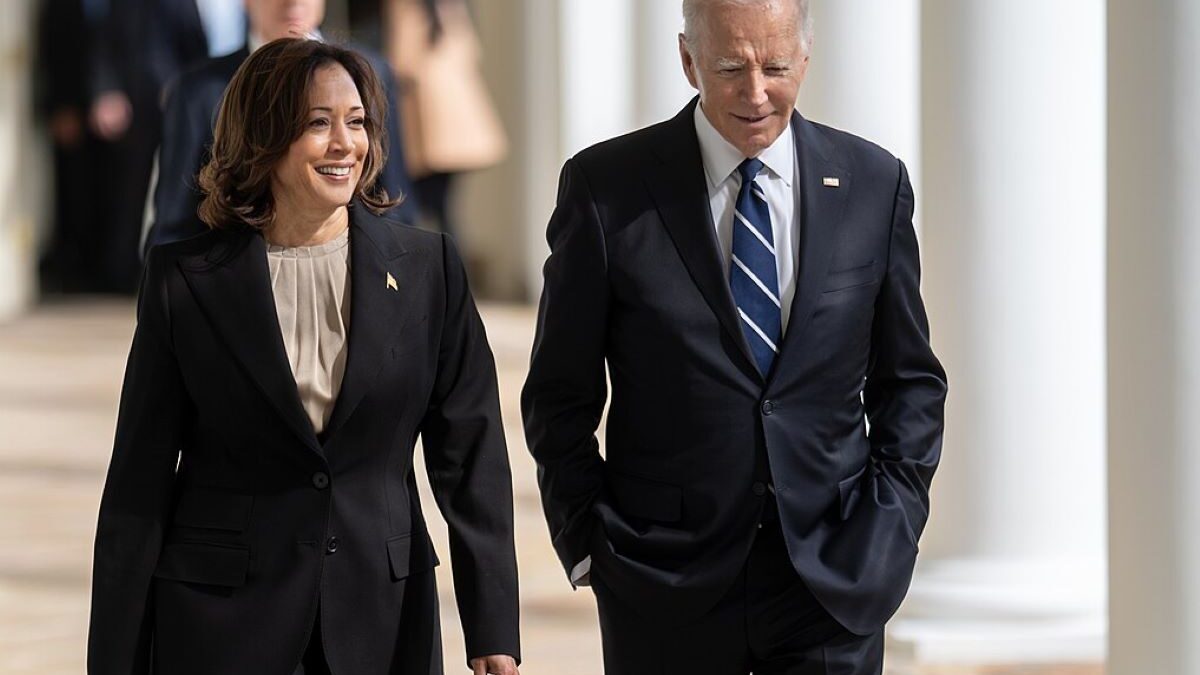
(320, 480)
(331, 546)
(759, 488)
(768, 407)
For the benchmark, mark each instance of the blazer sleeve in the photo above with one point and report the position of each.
(180, 158)
(905, 391)
(137, 494)
(565, 392)
(467, 460)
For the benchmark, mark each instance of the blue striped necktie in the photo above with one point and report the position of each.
(753, 275)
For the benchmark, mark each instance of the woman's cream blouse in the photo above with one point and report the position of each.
(311, 285)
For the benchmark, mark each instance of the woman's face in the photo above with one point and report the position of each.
(322, 167)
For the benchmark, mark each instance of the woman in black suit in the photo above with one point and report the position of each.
(260, 514)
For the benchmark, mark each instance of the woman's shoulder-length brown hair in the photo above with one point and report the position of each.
(264, 110)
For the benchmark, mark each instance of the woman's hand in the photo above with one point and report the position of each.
(494, 664)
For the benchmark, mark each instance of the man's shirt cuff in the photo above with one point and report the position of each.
(581, 572)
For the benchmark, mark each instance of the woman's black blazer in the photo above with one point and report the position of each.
(227, 527)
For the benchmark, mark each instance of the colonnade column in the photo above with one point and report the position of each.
(1012, 128)
(20, 190)
(661, 88)
(1154, 336)
(864, 74)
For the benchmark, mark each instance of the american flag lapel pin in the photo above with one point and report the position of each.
(831, 181)
(391, 282)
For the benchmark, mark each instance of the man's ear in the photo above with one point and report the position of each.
(689, 63)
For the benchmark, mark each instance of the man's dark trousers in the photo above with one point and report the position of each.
(768, 623)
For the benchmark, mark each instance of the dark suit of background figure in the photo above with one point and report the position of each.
(367, 16)
(139, 46)
(697, 439)
(222, 565)
(192, 101)
(61, 100)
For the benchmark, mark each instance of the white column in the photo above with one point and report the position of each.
(21, 157)
(661, 87)
(597, 57)
(580, 58)
(1012, 565)
(1154, 336)
(504, 209)
(864, 74)
(541, 151)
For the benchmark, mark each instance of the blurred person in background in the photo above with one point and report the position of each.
(190, 113)
(68, 262)
(450, 125)
(138, 45)
(260, 513)
(749, 282)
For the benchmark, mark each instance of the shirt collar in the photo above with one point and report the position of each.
(721, 159)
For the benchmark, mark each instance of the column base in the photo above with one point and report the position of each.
(997, 612)
(18, 258)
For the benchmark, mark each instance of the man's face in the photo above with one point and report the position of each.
(274, 19)
(748, 63)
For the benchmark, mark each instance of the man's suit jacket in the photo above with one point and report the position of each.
(192, 103)
(697, 438)
(141, 45)
(61, 58)
(220, 565)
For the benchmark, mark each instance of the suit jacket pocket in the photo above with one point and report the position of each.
(849, 493)
(213, 510)
(204, 563)
(853, 277)
(406, 557)
(645, 498)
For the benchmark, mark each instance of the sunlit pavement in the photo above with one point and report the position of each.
(60, 377)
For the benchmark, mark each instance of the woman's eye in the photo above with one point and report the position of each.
(319, 123)
(357, 122)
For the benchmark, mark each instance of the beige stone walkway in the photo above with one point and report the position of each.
(60, 374)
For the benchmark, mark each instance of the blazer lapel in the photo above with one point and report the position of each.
(821, 209)
(680, 192)
(232, 284)
(377, 308)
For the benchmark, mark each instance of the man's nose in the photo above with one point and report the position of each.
(755, 88)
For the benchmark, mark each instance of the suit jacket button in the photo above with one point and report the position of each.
(331, 546)
(759, 488)
(320, 480)
(768, 407)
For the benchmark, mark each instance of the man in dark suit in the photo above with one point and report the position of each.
(61, 101)
(137, 47)
(750, 280)
(191, 106)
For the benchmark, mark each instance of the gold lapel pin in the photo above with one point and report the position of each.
(391, 282)
(831, 181)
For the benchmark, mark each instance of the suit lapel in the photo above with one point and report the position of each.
(232, 284)
(377, 308)
(680, 192)
(821, 209)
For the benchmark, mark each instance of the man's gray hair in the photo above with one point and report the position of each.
(693, 18)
